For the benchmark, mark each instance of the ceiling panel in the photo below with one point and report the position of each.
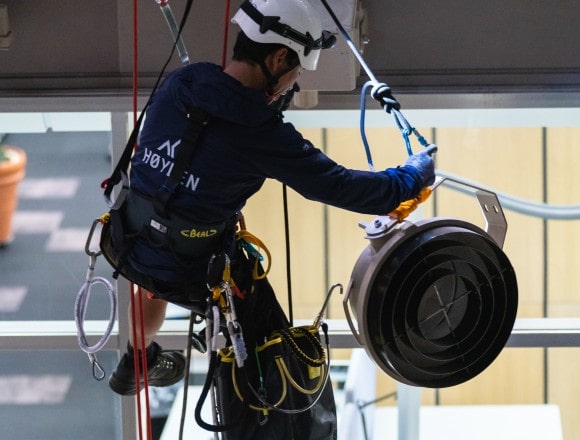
(425, 50)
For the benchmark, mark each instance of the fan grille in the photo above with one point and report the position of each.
(441, 307)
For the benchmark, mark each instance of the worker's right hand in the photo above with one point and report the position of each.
(423, 162)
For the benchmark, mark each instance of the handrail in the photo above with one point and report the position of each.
(61, 335)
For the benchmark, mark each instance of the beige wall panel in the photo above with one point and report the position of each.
(564, 388)
(265, 218)
(563, 165)
(524, 247)
(307, 247)
(563, 168)
(515, 377)
(385, 386)
(345, 243)
(307, 256)
(506, 160)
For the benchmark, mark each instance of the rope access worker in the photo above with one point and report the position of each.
(245, 142)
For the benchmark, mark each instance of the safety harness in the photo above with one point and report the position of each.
(135, 215)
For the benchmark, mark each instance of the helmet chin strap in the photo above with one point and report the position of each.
(272, 80)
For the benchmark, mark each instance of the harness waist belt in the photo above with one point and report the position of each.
(184, 236)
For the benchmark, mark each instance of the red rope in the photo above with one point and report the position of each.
(136, 361)
(143, 358)
(144, 364)
(226, 31)
(135, 60)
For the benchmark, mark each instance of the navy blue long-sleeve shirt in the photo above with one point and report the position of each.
(245, 143)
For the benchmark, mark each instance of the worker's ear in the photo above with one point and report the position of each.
(278, 59)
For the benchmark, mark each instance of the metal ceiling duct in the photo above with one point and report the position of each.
(435, 301)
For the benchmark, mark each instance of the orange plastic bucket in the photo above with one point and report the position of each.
(12, 172)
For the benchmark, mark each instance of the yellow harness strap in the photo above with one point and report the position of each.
(407, 207)
(104, 219)
(250, 238)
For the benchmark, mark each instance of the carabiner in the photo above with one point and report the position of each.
(88, 250)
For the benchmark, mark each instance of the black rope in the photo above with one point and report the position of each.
(288, 265)
(186, 378)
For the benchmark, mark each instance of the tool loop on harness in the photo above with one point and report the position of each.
(249, 242)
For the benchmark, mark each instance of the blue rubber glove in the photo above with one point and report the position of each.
(425, 164)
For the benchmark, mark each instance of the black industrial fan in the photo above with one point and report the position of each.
(435, 301)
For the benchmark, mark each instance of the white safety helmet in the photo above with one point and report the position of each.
(293, 23)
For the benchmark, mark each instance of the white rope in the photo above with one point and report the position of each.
(80, 311)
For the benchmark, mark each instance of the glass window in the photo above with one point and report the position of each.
(528, 155)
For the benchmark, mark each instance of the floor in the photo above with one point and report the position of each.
(51, 394)
(59, 198)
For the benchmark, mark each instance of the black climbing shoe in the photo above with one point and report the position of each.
(167, 368)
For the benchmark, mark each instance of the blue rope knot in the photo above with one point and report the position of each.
(421, 139)
(404, 126)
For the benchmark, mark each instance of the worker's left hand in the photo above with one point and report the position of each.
(424, 163)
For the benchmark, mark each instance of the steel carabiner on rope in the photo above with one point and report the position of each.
(407, 129)
(88, 250)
